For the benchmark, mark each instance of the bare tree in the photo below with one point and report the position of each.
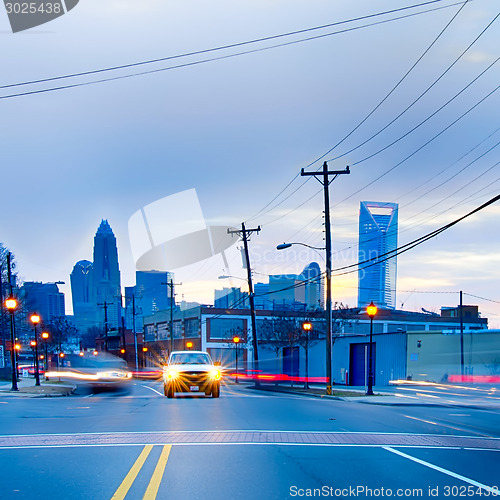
(278, 333)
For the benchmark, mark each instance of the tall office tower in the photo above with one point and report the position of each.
(378, 234)
(313, 293)
(296, 291)
(150, 294)
(153, 293)
(85, 309)
(106, 276)
(44, 299)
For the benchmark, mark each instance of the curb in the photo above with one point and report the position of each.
(63, 391)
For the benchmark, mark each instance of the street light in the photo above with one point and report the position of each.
(11, 304)
(236, 341)
(45, 337)
(307, 327)
(189, 345)
(371, 310)
(328, 304)
(35, 319)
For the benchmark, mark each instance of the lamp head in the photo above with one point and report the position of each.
(371, 310)
(283, 246)
(35, 319)
(307, 326)
(11, 304)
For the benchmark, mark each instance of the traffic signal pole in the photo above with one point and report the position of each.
(323, 178)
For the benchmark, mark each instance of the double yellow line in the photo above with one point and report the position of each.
(154, 483)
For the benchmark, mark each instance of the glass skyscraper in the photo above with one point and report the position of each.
(378, 234)
(106, 275)
(85, 310)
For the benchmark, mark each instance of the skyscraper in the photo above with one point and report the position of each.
(106, 275)
(85, 309)
(44, 299)
(378, 234)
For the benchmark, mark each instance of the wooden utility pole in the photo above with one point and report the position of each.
(323, 178)
(171, 285)
(105, 305)
(244, 233)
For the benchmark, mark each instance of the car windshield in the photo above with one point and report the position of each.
(190, 358)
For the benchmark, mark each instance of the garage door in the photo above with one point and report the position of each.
(358, 364)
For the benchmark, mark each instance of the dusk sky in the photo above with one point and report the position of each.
(239, 129)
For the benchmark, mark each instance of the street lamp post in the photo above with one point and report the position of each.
(45, 337)
(307, 327)
(236, 341)
(11, 304)
(371, 310)
(328, 305)
(35, 319)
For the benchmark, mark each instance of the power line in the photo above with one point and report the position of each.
(482, 298)
(389, 94)
(433, 138)
(372, 112)
(420, 97)
(414, 243)
(233, 45)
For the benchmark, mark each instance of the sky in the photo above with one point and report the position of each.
(239, 130)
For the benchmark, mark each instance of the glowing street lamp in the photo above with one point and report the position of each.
(371, 310)
(307, 327)
(35, 319)
(45, 337)
(236, 341)
(11, 304)
(189, 345)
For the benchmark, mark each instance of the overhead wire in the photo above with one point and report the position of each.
(419, 59)
(420, 97)
(412, 244)
(401, 80)
(203, 61)
(216, 49)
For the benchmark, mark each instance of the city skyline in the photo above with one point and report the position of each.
(240, 129)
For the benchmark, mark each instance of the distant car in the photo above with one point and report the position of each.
(191, 371)
(101, 371)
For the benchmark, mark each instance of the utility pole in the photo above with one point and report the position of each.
(323, 178)
(2, 317)
(461, 337)
(105, 305)
(135, 334)
(244, 233)
(171, 285)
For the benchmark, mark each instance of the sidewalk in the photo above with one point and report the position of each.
(358, 395)
(28, 389)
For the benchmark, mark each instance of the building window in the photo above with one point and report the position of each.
(192, 328)
(226, 328)
(149, 333)
(163, 331)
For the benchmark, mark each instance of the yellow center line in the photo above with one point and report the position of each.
(122, 490)
(154, 484)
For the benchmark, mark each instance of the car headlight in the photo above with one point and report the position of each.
(172, 374)
(215, 374)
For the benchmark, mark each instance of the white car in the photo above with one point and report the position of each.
(191, 371)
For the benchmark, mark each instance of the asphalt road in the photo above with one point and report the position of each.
(246, 445)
